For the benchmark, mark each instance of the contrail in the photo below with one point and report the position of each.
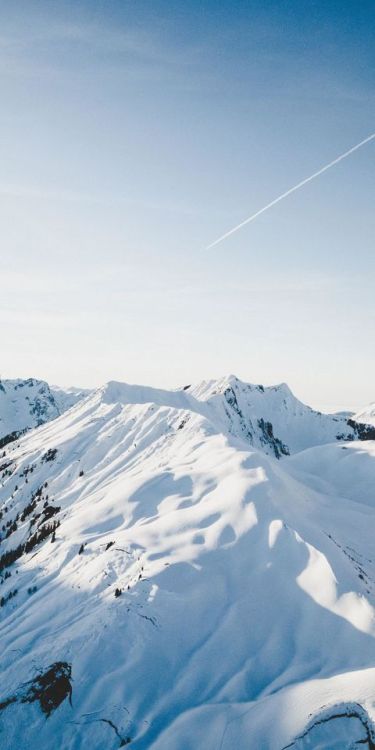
(291, 190)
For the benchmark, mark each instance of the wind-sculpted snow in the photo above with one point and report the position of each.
(167, 585)
(346, 470)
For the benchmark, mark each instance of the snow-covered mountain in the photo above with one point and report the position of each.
(65, 398)
(367, 415)
(272, 418)
(167, 584)
(269, 418)
(30, 403)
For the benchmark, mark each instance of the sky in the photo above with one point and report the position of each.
(132, 135)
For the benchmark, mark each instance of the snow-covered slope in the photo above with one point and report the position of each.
(30, 403)
(65, 398)
(173, 587)
(367, 415)
(344, 470)
(272, 418)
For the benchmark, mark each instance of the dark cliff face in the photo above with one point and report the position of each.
(362, 431)
(272, 435)
(263, 430)
(268, 438)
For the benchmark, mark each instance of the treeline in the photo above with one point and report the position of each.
(9, 557)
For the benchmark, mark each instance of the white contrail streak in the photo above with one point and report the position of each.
(290, 191)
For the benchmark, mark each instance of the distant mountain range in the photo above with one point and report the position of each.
(270, 418)
(30, 403)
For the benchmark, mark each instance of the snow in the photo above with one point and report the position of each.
(333, 467)
(367, 415)
(246, 614)
(244, 410)
(65, 398)
(29, 403)
(294, 424)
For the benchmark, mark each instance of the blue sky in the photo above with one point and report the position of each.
(135, 133)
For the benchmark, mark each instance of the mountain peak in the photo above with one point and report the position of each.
(27, 403)
(147, 551)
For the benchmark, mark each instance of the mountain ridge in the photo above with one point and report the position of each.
(256, 413)
(268, 417)
(165, 583)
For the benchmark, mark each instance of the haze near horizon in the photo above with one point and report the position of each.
(132, 137)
